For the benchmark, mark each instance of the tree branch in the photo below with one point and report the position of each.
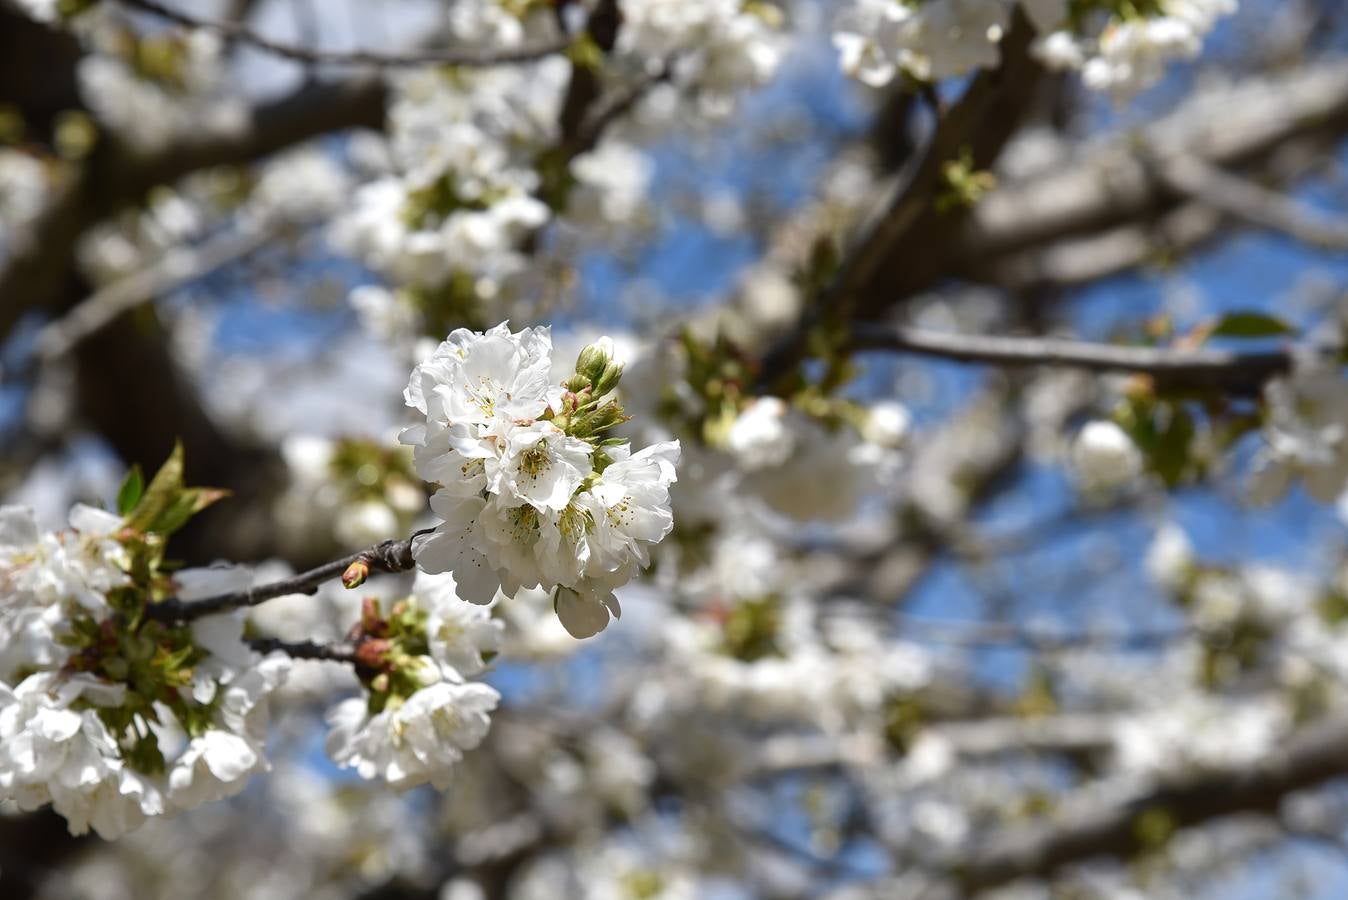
(343, 653)
(1309, 758)
(456, 56)
(1238, 372)
(581, 92)
(980, 123)
(1002, 635)
(179, 266)
(1232, 127)
(387, 556)
(40, 268)
(589, 132)
(1252, 203)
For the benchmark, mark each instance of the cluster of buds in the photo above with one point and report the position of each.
(391, 652)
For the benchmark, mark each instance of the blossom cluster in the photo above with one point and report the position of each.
(1120, 48)
(420, 712)
(1305, 435)
(1130, 52)
(476, 162)
(106, 714)
(533, 489)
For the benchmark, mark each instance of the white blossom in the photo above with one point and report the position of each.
(586, 612)
(612, 181)
(886, 424)
(877, 39)
(1170, 557)
(720, 44)
(1132, 55)
(53, 753)
(460, 634)
(48, 578)
(1105, 457)
(1305, 434)
(761, 435)
(56, 746)
(416, 742)
(515, 509)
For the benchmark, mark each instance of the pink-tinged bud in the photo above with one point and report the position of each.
(372, 653)
(355, 574)
(372, 622)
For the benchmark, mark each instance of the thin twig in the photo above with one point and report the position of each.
(456, 56)
(176, 268)
(388, 556)
(1000, 635)
(1252, 203)
(1241, 372)
(589, 133)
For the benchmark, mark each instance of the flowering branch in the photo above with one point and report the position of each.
(457, 56)
(388, 556)
(1241, 372)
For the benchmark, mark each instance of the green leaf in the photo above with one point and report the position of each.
(166, 505)
(187, 503)
(1172, 452)
(128, 495)
(162, 493)
(1249, 325)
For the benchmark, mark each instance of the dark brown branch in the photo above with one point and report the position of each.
(981, 123)
(388, 556)
(1308, 759)
(343, 653)
(581, 92)
(592, 129)
(456, 56)
(1238, 372)
(38, 272)
(907, 243)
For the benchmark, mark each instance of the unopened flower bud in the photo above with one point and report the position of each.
(595, 359)
(371, 617)
(372, 654)
(355, 574)
(608, 379)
